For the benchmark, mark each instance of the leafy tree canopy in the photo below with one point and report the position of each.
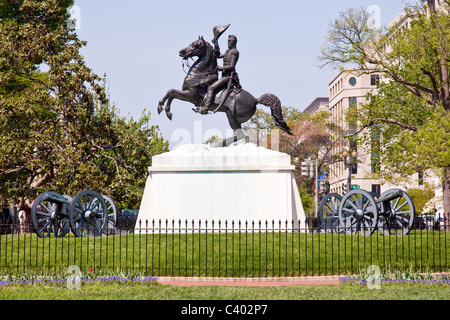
(411, 112)
(58, 130)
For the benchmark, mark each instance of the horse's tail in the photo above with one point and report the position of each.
(274, 103)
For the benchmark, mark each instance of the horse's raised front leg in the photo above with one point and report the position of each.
(184, 95)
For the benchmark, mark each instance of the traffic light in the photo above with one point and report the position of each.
(308, 168)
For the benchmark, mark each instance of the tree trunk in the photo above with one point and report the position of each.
(25, 205)
(446, 191)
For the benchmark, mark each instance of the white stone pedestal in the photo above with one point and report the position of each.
(237, 183)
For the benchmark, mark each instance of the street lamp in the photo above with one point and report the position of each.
(350, 164)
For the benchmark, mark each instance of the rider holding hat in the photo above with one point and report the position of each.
(229, 75)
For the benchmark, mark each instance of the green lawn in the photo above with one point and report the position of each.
(253, 254)
(154, 291)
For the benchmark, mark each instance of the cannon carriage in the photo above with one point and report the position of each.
(87, 213)
(359, 211)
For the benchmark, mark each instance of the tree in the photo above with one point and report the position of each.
(58, 130)
(314, 137)
(411, 112)
(126, 165)
(258, 127)
(420, 198)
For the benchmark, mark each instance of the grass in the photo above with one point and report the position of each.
(232, 254)
(118, 290)
(395, 286)
(237, 254)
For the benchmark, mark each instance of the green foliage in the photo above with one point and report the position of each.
(349, 36)
(126, 167)
(58, 130)
(411, 112)
(308, 202)
(414, 139)
(420, 197)
(258, 128)
(213, 139)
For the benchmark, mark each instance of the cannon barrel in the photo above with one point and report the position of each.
(55, 199)
(390, 196)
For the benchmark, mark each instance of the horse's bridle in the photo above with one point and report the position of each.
(185, 63)
(184, 60)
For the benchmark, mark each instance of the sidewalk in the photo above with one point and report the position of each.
(259, 282)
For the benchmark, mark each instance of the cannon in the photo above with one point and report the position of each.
(87, 213)
(328, 212)
(392, 213)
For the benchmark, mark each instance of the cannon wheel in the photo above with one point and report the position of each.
(112, 213)
(88, 212)
(358, 211)
(329, 209)
(399, 216)
(50, 217)
(329, 206)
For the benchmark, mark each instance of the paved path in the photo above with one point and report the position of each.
(260, 282)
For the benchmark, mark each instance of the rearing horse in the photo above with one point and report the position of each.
(239, 106)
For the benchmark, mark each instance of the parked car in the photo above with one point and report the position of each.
(127, 219)
(434, 222)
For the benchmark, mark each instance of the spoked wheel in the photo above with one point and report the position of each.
(358, 212)
(329, 211)
(398, 215)
(112, 214)
(88, 213)
(50, 215)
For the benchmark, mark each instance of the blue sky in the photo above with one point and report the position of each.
(136, 44)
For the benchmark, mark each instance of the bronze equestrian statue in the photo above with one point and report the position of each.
(207, 92)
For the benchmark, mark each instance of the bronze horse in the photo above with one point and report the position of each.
(239, 105)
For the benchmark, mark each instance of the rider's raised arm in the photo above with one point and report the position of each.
(217, 50)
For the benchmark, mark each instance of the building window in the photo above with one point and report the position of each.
(352, 81)
(374, 79)
(376, 188)
(374, 163)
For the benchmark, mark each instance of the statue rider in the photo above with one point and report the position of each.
(229, 75)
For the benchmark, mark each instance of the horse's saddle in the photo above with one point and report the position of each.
(227, 98)
(223, 98)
